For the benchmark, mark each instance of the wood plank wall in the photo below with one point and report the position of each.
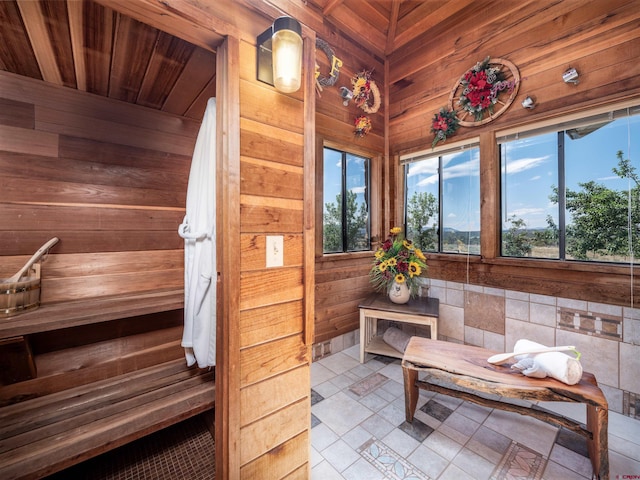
(274, 357)
(600, 39)
(342, 281)
(109, 180)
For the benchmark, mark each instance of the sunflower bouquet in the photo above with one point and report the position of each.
(397, 260)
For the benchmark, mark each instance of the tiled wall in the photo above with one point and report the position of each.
(608, 336)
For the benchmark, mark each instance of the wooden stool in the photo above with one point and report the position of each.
(466, 367)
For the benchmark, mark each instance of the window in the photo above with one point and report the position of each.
(346, 224)
(570, 192)
(442, 201)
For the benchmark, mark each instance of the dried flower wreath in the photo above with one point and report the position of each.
(364, 91)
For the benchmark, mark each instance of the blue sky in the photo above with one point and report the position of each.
(333, 178)
(461, 187)
(532, 167)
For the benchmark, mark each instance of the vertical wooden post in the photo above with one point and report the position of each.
(490, 224)
(227, 410)
(597, 424)
(411, 391)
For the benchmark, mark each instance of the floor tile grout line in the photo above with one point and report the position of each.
(469, 438)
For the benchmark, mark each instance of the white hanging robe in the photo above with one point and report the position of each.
(199, 232)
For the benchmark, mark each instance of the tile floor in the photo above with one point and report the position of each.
(359, 432)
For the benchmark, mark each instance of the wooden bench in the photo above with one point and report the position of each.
(462, 371)
(44, 435)
(84, 399)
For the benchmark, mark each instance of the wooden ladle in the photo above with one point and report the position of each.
(36, 256)
(503, 357)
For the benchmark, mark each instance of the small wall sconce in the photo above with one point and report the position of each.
(279, 55)
(346, 95)
(570, 76)
(529, 102)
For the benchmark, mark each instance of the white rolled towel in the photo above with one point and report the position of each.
(556, 365)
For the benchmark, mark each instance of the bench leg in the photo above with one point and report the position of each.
(411, 392)
(597, 424)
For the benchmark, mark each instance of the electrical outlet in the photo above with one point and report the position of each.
(275, 251)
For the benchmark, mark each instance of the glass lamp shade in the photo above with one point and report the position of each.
(287, 54)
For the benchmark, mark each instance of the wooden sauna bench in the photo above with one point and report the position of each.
(51, 422)
(462, 371)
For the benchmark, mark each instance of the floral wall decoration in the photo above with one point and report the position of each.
(363, 126)
(484, 92)
(366, 93)
(331, 79)
(444, 124)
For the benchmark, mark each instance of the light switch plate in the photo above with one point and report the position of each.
(275, 251)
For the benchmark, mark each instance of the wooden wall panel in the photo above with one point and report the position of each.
(274, 430)
(17, 114)
(270, 214)
(541, 40)
(254, 253)
(80, 104)
(114, 200)
(342, 281)
(271, 180)
(24, 140)
(274, 371)
(271, 322)
(600, 39)
(264, 287)
(277, 463)
(259, 140)
(268, 396)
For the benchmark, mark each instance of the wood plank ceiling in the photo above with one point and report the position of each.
(83, 45)
(384, 26)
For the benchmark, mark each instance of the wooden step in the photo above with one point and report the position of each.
(47, 434)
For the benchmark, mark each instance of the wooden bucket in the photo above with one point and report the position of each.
(20, 296)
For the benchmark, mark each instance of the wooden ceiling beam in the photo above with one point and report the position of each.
(393, 25)
(330, 7)
(74, 13)
(184, 19)
(422, 19)
(35, 24)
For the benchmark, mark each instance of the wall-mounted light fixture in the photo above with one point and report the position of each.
(280, 55)
(529, 102)
(346, 95)
(570, 76)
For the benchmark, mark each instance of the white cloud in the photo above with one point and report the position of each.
(524, 164)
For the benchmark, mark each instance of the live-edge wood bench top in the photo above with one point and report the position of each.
(472, 362)
(466, 367)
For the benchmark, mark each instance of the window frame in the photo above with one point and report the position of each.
(375, 197)
(618, 284)
(559, 126)
(437, 152)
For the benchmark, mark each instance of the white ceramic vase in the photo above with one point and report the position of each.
(399, 292)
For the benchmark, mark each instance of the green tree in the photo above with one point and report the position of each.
(516, 241)
(601, 216)
(332, 226)
(356, 220)
(422, 206)
(547, 237)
